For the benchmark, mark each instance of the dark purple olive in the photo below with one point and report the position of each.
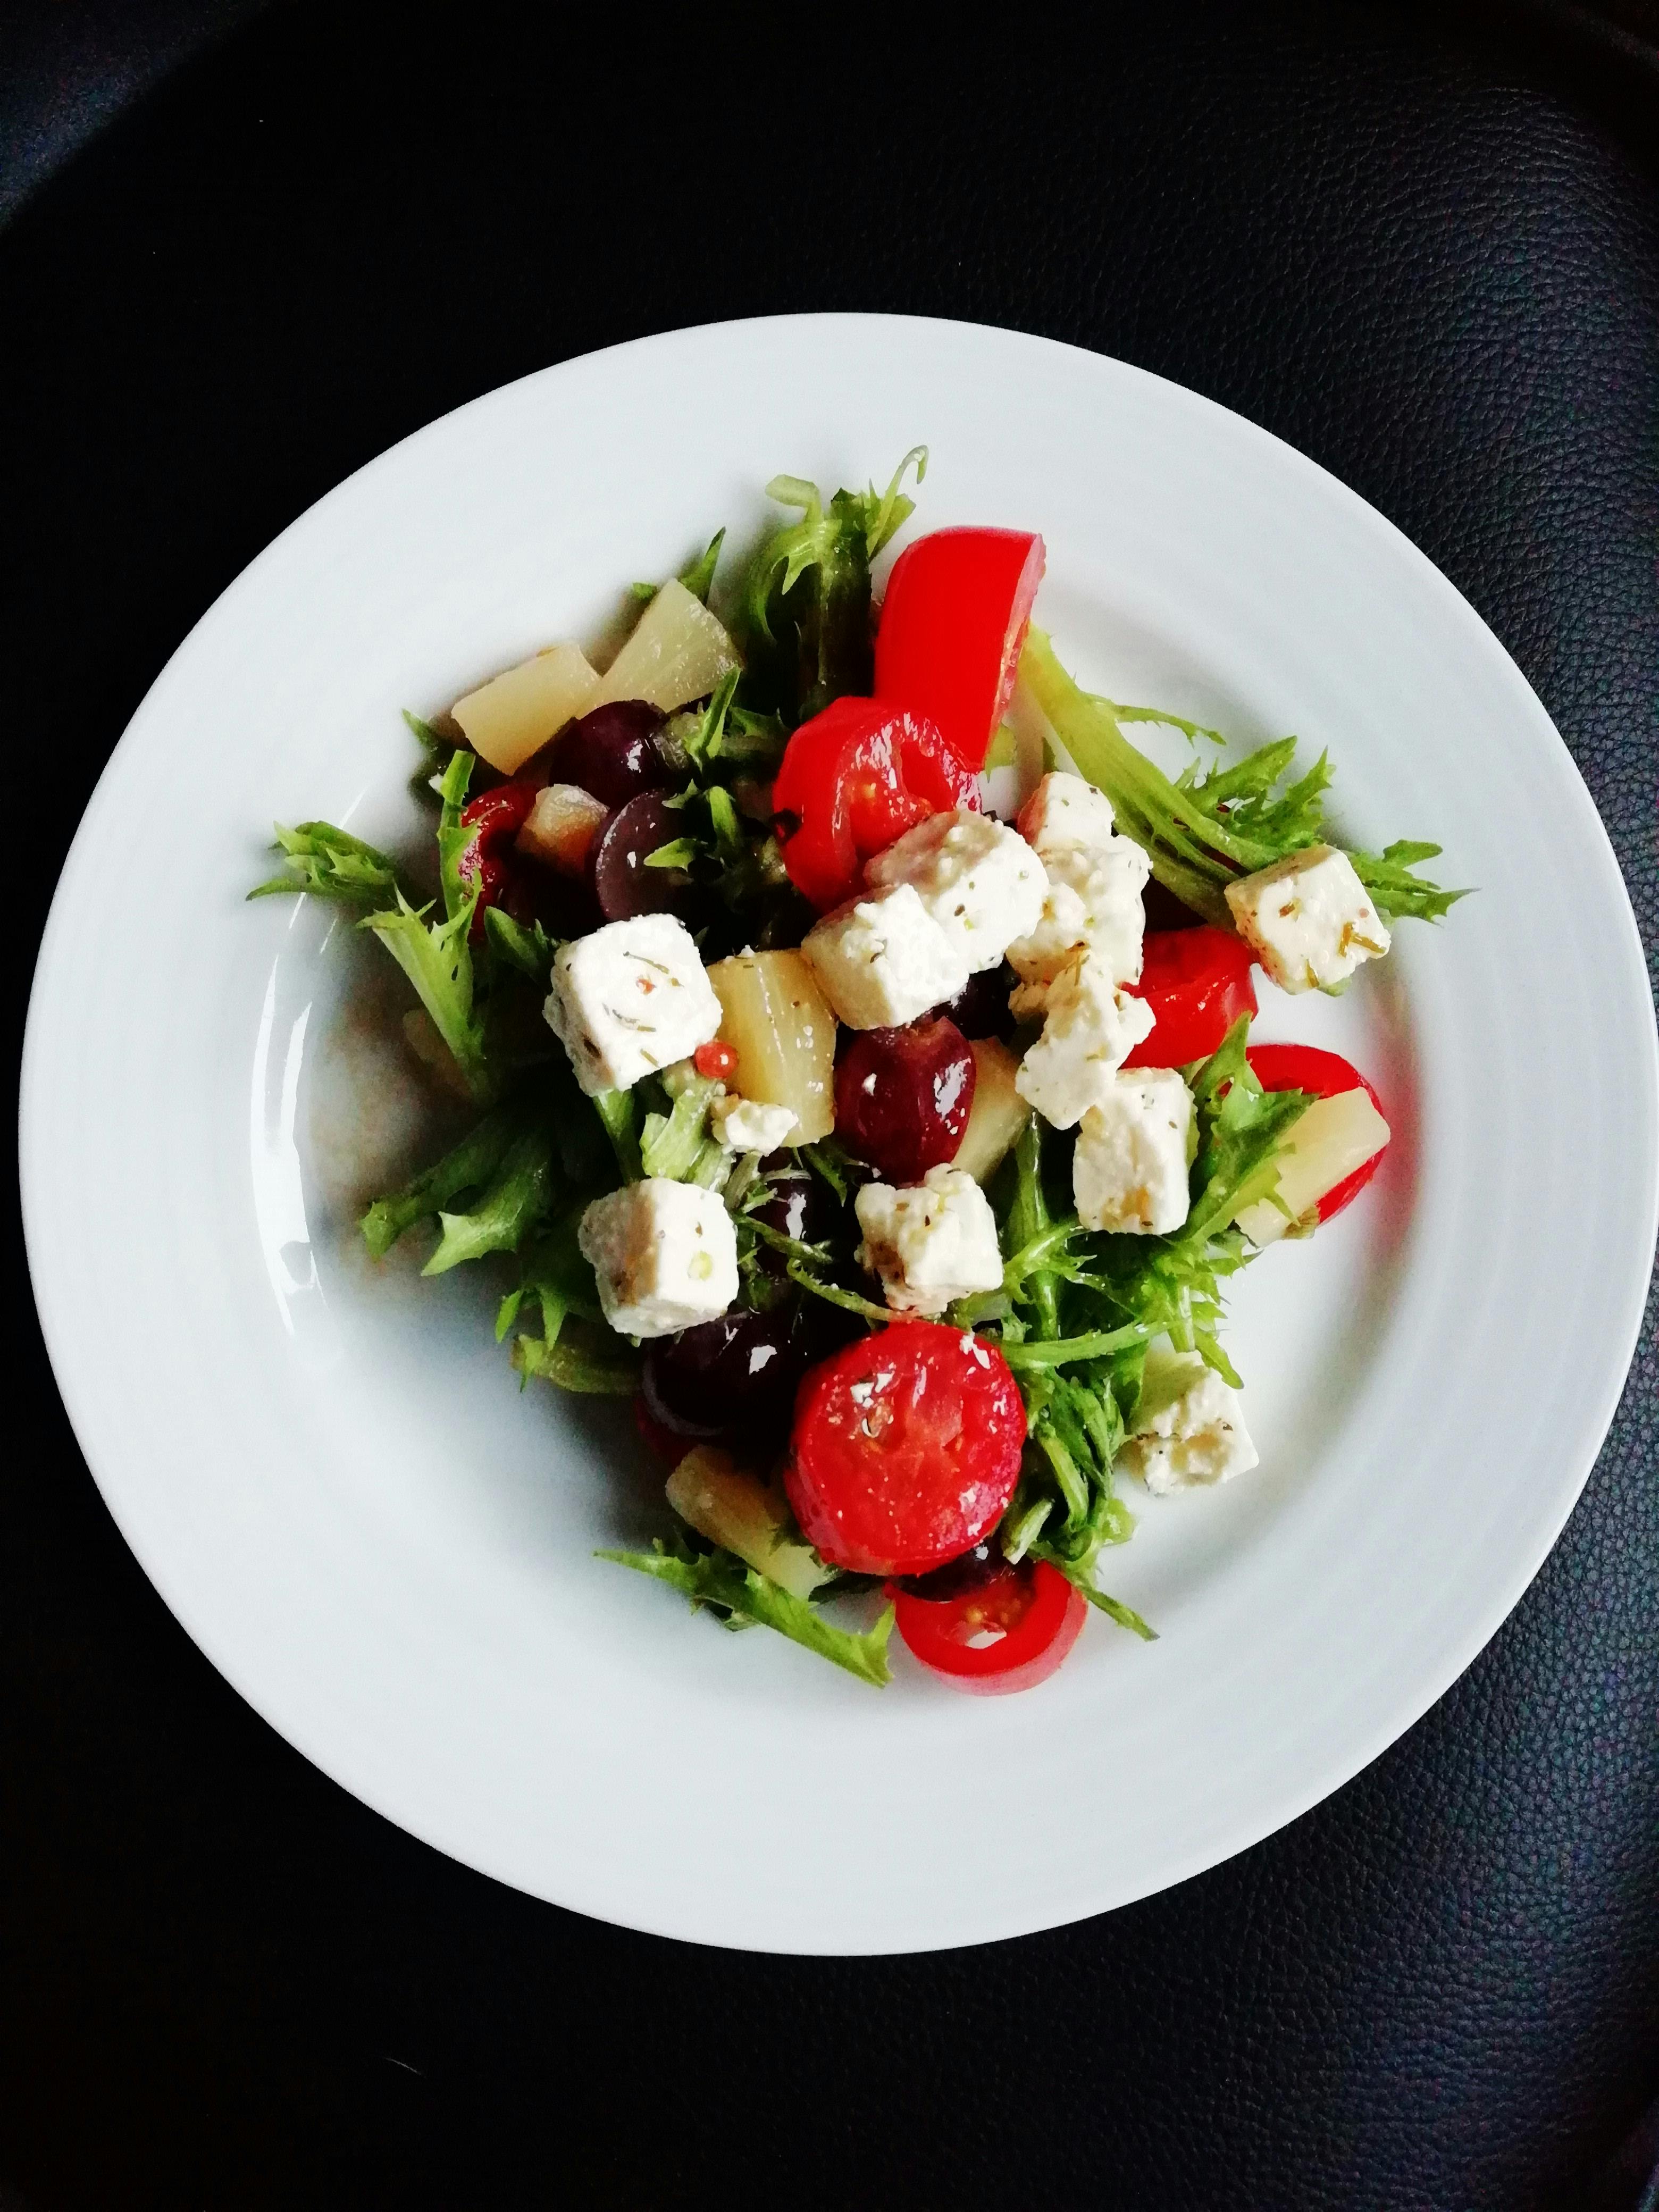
(733, 1376)
(1164, 910)
(564, 905)
(800, 1207)
(622, 884)
(613, 752)
(980, 1008)
(903, 1096)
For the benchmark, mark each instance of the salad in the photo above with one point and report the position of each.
(856, 1025)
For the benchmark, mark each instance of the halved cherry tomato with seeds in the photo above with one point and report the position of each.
(1197, 982)
(854, 778)
(1005, 1628)
(906, 1449)
(953, 622)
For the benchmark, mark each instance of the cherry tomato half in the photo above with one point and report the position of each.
(854, 778)
(1326, 1075)
(952, 624)
(906, 1449)
(1197, 982)
(488, 862)
(1008, 1631)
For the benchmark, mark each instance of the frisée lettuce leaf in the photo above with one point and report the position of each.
(331, 864)
(466, 1167)
(720, 1580)
(1203, 832)
(804, 606)
(438, 961)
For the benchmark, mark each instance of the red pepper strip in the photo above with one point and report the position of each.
(952, 624)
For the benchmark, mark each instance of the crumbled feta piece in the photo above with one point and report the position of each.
(1133, 1149)
(980, 881)
(664, 1255)
(561, 826)
(631, 999)
(930, 1245)
(1065, 810)
(883, 960)
(1094, 902)
(750, 1126)
(1188, 1429)
(1309, 919)
(1089, 1031)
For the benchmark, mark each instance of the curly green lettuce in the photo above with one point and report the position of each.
(720, 1580)
(803, 620)
(1203, 833)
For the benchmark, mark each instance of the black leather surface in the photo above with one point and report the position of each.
(1426, 249)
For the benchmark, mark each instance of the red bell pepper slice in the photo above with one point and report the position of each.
(952, 624)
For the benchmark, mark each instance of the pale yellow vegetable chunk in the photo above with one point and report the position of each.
(774, 1018)
(1334, 1137)
(999, 1113)
(514, 714)
(736, 1510)
(679, 652)
(561, 826)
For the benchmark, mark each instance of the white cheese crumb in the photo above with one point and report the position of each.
(1089, 1029)
(1308, 920)
(629, 999)
(930, 1245)
(883, 960)
(1188, 1429)
(1065, 810)
(979, 881)
(664, 1255)
(747, 1125)
(1133, 1150)
(1094, 904)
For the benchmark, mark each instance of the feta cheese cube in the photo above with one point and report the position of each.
(748, 1127)
(1308, 920)
(883, 960)
(1188, 1429)
(1133, 1149)
(980, 882)
(1065, 810)
(930, 1245)
(1093, 902)
(1089, 1029)
(664, 1255)
(629, 999)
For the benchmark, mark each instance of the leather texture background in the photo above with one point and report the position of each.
(1421, 246)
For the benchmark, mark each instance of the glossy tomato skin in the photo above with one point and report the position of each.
(488, 864)
(1197, 982)
(1010, 1630)
(1325, 1075)
(953, 622)
(853, 779)
(906, 1449)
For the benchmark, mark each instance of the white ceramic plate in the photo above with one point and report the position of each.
(327, 1471)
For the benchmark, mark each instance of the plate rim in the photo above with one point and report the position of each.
(1481, 1624)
